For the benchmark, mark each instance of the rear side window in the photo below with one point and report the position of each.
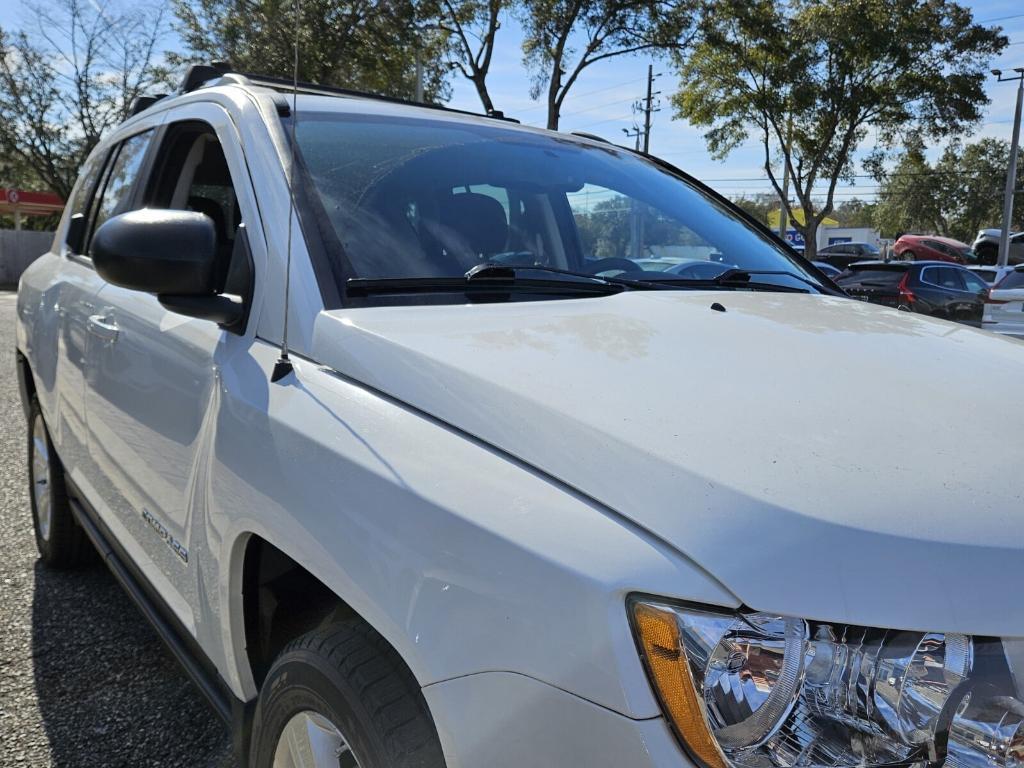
(90, 175)
(120, 178)
(81, 202)
(1013, 280)
(987, 275)
(947, 277)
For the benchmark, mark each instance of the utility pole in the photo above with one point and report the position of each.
(648, 108)
(1011, 171)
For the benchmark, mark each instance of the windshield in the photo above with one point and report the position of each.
(428, 198)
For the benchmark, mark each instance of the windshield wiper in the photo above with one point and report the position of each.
(740, 278)
(488, 279)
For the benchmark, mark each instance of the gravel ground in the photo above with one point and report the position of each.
(84, 681)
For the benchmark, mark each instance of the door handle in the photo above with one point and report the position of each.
(103, 327)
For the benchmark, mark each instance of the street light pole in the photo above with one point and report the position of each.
(1011, 171)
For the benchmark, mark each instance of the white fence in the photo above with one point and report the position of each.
(18, 249)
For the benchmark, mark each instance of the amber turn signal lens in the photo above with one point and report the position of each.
(669, 671)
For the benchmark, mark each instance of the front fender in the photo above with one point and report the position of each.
(463, 559)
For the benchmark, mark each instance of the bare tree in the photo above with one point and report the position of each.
(71, 78)
(473, 26)
(564, 37)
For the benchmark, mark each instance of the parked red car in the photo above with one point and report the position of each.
(933, 248)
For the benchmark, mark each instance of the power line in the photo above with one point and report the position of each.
(533, 104)
(602, 122)
(1003, 18)
(596, 106)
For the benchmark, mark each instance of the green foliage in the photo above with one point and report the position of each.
(973, 178)
(564, 37)
(855, 213)
(68, 81)
(956, 196)
(808, 78)
(368, 45)
(758, 206)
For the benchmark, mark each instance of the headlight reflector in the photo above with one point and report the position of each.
(757, 690)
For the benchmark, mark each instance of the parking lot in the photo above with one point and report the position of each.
(83, 679)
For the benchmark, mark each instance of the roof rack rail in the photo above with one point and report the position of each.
(200, 74)
(197, 74)
(143, 103)
(284, 85)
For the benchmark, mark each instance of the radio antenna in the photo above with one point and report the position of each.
(283, 366)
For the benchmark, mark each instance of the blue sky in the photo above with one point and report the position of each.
(601, 102)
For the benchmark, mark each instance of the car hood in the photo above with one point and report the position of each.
(816, 455)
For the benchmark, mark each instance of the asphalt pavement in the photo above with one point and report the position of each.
(84, 681)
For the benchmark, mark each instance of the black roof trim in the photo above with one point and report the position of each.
(197, 74)
(142, 103)
(285, 86)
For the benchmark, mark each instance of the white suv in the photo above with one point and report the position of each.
(1004, 306)
(512, 500)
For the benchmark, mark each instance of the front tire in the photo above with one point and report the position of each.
(59, 538)
(340, 695)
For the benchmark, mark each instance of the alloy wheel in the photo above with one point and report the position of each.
(41, 478)
(310, 740)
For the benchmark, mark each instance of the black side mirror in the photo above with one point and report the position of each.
(158, 252)
(173, 254)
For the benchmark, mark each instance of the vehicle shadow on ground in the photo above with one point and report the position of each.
(108, 691)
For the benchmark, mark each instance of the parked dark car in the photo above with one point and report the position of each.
(842, 255)
(934, 288)
(933, 248)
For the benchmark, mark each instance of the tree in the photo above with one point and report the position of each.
(907, 199)
(370, 45)
(65, 83)
(973, 179)
(564, 37)
(473, 26)
(854, 213)
(758, 206)
(809, 78)
(955, 197)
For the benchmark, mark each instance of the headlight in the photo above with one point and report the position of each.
(756, 690)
